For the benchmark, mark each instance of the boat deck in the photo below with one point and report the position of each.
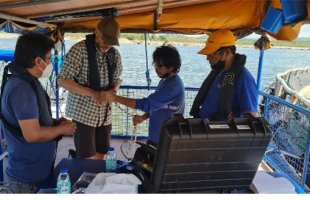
(67, 143)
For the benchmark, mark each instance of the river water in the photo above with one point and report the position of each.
(194, 66)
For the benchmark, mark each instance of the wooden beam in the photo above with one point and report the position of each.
(28, 21)
(167, 5)
(25, 4)
(159, 11)
(127, 7)
(116, 5)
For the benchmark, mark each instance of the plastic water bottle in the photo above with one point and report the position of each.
(63, 182)
(110, 161)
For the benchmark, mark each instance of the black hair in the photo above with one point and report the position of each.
(31, 45)
(169, 56)
(231, 48)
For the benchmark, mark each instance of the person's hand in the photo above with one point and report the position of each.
(113, 90)
(117, 84)
(59, 120)
(108, 96)
(68, 127)
(96, 97)
(137, 119)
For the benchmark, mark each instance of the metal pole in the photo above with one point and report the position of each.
(260, 67)
(56, 64)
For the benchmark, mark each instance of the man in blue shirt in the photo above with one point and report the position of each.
(167, 100)
(26, 117)
(230, 89)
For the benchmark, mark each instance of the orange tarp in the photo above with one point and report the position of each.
(183, 16)
(231, 14)
(235, 15)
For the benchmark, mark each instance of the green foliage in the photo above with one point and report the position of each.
(298, 43)
(194, 39)
(132, 36)
(190, 39)
(165, 38)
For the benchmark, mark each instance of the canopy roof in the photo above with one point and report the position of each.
(183, 16)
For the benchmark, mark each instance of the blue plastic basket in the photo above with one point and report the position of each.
(294, 10)
(273, 21)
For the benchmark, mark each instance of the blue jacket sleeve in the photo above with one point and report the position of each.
(247, 93)
(165, 95)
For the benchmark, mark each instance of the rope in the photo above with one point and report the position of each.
(128, 146)
(126, 111)
(147, 72)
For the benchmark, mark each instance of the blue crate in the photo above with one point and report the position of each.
(273, 21)
(294, 11)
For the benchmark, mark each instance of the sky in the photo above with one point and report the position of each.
(305, 31)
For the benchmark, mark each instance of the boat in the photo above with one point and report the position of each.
(294, 85)
(288, 153)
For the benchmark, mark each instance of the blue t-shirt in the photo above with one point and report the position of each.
(167, 100)
(28, 162)
(244, 100)
(1, 165)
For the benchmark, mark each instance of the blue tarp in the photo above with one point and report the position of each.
(11, 27)
(6, 55)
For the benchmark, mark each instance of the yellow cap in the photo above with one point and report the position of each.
(218, 39)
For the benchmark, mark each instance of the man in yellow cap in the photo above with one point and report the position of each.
(91, 66)
(230, 89)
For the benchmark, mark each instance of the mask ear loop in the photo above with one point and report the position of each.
(223, 52)
(44, 64)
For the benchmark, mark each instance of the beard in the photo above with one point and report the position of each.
(219, 65)
(102, 50)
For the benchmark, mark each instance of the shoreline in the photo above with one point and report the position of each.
(202, 45)
(123, 40)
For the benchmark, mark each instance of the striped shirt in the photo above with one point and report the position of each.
(80, 108)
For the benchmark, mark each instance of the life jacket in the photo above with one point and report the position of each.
(226, 91)
(94, 75)
(43, 99)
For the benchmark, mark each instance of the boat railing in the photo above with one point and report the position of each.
(288, 151)
(122, 126)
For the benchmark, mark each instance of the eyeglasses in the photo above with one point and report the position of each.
(50, 58)
(214, 53)
(158, 65)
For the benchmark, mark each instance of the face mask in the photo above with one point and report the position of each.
(219, 65)
(47, 71)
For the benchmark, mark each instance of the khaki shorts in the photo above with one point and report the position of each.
(90, 140)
